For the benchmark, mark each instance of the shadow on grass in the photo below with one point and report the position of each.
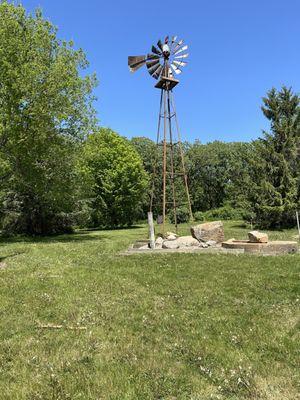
(3, 258)
(117, 228)
(240, 226)
(78, 236)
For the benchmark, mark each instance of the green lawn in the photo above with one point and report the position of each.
(162, 326)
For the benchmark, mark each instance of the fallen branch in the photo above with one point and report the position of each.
(53, 326)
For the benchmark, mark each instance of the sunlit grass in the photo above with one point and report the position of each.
(167, 326)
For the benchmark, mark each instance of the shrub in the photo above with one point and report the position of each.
(182, 214)
(199, 216)
(225, 213)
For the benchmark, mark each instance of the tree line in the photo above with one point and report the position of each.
(60, 169)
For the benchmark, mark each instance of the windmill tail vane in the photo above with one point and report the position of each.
(165, 61)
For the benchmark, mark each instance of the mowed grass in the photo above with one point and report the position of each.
(164, 326)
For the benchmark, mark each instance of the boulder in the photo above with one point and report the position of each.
(145, 247)
(211, 243)
(257, 237)
(170, 244)
(158, 242)
(187, 241)
(171, 237)
(208, 231)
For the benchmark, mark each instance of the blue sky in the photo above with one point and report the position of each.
(238, 51)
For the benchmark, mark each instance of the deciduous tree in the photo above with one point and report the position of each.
(45, 108)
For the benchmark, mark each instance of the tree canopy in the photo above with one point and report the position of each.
(116, 178)
(45, 108)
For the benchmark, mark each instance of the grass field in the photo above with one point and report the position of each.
(164, 326)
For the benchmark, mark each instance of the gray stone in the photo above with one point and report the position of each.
(187, 241)
(170, 233)
(158, 242)
(145, 247)
(171, 237)
(208, 231)
(211, 243)
(204, 245)
(170, 244)
(258, 237)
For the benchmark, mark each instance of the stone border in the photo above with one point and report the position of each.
(200, 250)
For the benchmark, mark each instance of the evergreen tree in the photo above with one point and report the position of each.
(275, 195)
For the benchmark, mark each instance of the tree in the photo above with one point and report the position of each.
(115, 174)
(218, 173)
(45, 109)
(275, 195)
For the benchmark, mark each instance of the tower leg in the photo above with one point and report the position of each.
(164, 160)
(172, 159)
(182, 160)
(152, 195)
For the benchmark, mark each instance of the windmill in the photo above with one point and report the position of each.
(163, 63)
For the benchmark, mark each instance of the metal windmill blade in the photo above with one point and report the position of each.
(158, 72)
(182, 56)
(176, 69)
(155, 50)
(160, 45)
(155, 69)
(178, 45)
(180, 50)
(180, 63)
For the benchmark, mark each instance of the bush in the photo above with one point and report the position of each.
(182, 214)
(225, 213)
(51, 224)
(199, 216)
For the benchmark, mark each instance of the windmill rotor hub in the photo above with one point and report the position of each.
(166, 51)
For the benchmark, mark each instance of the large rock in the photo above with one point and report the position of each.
(257, 237)
(208, 231)
(170, 244)
(211, 243)
(158, 242)
(171, 237)
(187, 241)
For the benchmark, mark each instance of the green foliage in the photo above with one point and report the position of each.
(199, 216)
(276, 177)
(226, 213)
(150, 157)
(182, 215)
(45, 109)
(116, 178)
(219, 172)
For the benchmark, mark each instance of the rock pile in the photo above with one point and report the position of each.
(205, 235)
